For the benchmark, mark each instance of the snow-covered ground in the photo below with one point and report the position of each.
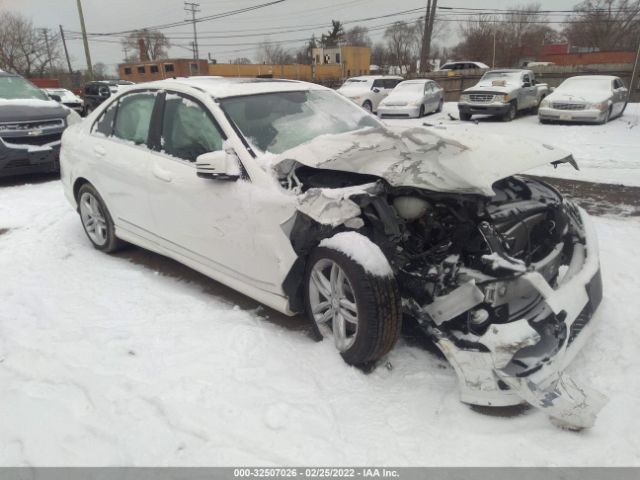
(108, 362)
(606, 153)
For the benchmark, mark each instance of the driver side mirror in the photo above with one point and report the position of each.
(375, 89)
(526, 84)
(218, 165)
(104, 92)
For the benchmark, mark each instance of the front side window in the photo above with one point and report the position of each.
(134, 117)
(276, 122)
(188, 130)
(378, 83)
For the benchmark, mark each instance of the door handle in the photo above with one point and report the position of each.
(99, 150)
(161, 174)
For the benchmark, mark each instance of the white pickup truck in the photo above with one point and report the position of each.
(503, 93)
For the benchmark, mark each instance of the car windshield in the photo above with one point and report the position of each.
(405, 87)
(355, 83)
(599, 84)
(508, 76)
(276, 122)
(13, 88)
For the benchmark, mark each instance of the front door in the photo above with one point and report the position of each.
(225, 225)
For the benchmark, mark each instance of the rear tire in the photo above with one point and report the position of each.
(96, 220)
(364, 309)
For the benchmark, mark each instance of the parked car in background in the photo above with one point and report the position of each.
(412, 98)
(98, 91)
(588, 98)
(503, 93)
(463, 65)
(369, 90)
(66, 98)
(365, 227)
(31, 125)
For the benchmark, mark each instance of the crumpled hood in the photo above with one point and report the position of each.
(421, 158)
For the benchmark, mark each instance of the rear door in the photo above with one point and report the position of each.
(378, 93)
(121, 159)
(528, 93)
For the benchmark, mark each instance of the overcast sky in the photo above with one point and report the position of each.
(117, 15)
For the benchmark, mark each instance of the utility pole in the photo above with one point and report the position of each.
(432, 5)
(423, 53)
(86, 42)
(193, 8)
(493, 63)
(45, 33)
(635, 76)
(66, 52)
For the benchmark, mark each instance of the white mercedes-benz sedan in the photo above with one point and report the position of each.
(293, 195)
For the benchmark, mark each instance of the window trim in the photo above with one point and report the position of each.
(155, 143)
(115, 116)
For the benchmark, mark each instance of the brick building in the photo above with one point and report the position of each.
(158, 69)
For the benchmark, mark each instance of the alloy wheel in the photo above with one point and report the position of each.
(333, 303)
(93, 218)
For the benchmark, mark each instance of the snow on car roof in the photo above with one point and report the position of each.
(374, 77)
(594, 77)
(221, 87)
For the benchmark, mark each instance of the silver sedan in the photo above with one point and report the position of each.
(412, 99)
(587, 98)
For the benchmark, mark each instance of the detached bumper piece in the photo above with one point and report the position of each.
(523, 360)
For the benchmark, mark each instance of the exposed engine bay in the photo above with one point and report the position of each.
(464, 265)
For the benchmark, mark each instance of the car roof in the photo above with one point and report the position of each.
(508, 70)
(221, 87)
(597, 77)
(375, 77)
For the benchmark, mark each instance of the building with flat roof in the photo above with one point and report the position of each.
(159, 69)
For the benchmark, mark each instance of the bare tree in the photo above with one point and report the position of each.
(273, 53)
(357, 37)
(156, 44)
(518, 34)
(241, 61)
(100, 71)
(401, 45)
(23, 48)
(605, 24)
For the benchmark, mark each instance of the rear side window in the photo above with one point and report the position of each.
(188, 130)
(617, 83)
(104, 125)
(134, 117)
(390, 83)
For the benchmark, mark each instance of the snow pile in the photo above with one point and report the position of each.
(27, 102)
(131, 359)
(362, 251)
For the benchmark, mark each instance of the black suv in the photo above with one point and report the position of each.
(31, 125)
(98, 91)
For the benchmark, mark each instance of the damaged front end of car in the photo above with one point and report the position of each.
(506, 286)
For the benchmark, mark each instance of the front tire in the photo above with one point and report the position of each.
(606, 117)
(511, 113)
(367, 106)
(96, 220)
(361, 311)
(440, 105)
(421, 113)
